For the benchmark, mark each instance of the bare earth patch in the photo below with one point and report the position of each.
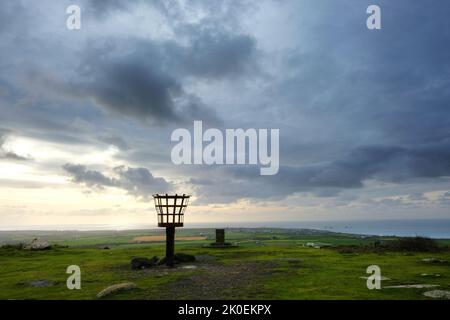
(238, 281)
(163, 238)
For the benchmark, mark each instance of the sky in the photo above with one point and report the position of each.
(86, 115)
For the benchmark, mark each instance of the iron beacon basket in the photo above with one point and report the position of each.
(170, 212)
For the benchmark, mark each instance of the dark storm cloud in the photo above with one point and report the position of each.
(146, 82)
(138, 182)
(388, 86)
(383, 163)
(216, 54)
(130, 77)
(132, 87)
(357, 104)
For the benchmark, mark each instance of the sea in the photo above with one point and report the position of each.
(432, 228)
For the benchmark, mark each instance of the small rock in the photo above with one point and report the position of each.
(37, 244)
(317, 245)
(143, 263)
(434, 260)
(184, 257)
(41, 283)
(154, 260)
(106, 248)
(412, 286)
(189, 267)
(140, 263)
(433, 275)
(116, 288)
(439, 294)
(161, 261)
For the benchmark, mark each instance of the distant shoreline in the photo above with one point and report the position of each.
(432, 228)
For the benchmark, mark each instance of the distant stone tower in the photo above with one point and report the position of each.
(220, 236)
(220, 240)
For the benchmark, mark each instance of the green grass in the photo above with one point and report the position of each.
(256, 269)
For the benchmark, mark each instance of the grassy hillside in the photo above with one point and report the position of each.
(267, 264)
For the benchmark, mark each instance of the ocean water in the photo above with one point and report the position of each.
(433, 228)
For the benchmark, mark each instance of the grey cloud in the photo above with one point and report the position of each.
(101, 9)
(51, 89)
(217, 54)
(91, 178)
(384, 163)
(133, 89)
(144, 80)
(361, 87)
(138, 182)
(12, 156)
(9, 155)
(418, 196)
(381, 163)
(146, 83)
(14, 16)
(116, 141)
(221, 12)
(201, 181)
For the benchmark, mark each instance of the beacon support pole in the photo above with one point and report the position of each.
(170, 246)
(170, 211)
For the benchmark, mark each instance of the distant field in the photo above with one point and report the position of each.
(163, 238)
(265, 264)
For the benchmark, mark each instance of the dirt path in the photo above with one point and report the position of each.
(238, 281)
